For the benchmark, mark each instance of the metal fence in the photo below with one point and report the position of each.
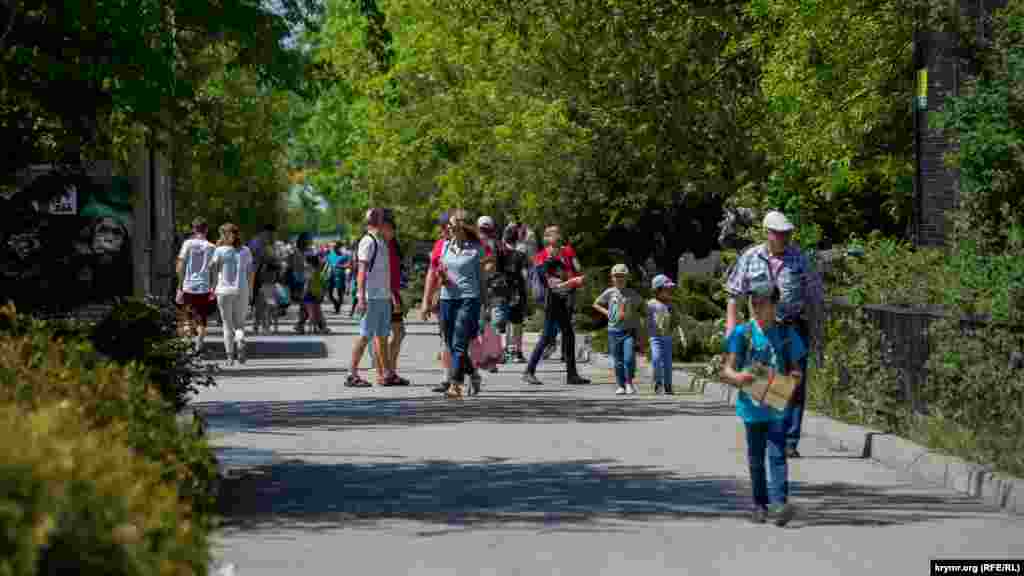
(905, 343)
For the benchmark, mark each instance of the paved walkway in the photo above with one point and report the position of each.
(543, 480)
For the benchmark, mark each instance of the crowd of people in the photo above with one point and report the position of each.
(481, 279)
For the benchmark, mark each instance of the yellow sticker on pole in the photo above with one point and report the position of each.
(922, 88)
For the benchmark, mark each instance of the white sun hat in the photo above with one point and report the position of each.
(777, 221)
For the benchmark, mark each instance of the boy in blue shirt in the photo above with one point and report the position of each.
(779, 348)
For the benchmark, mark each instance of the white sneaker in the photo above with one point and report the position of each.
(630, 389)
(620, 391)
(240, 348)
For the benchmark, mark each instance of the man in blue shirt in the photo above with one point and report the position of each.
(337, 262)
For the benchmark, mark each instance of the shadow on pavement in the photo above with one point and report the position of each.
(400, 412)
(572, 495)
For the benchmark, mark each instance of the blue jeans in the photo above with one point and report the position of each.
(460, 322)
(793, 416)
(771, 482)
(661, 361)
(621, 347)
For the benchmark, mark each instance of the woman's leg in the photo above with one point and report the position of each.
(757, 438)
(238, 310)
(548, 336)
(448, 309)
(568, 341)
(224, 305)
(656, 361)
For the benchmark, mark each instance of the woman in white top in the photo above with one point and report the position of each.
(232, 265)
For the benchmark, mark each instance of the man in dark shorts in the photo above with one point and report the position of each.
(510, 295)
(193, 268)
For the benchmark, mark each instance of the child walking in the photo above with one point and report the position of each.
(779, 348)
(313, 294)
(622, 307)
(660, 327)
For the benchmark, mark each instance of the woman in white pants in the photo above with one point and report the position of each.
(232, 263)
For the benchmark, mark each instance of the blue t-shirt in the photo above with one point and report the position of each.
(762, 352)
(463, 270)
(337, 262)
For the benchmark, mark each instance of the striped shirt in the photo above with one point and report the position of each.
(798, 283)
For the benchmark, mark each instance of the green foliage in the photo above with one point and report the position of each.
(74, 499)
(987, 121)
(973, 387)
(37, 370)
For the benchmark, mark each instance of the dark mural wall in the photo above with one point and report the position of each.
(65, 242)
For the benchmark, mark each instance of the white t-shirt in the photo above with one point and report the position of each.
(234, 268)
(378, 279)
(197, 253)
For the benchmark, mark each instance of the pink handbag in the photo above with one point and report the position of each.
(485, 350)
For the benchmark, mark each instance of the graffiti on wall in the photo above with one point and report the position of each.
(65, 242)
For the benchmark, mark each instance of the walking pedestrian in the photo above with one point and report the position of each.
(261, 246)
(312, 296)
(297, 271)
(459, 272)
(389, 230)
(782, 264)
(661, 325)
(622, 306)
(431, 303)
(561, 271)
(337, 262)
(509, 295)
(232, 265)
(193, 268)
(763, 342)
(373, 302)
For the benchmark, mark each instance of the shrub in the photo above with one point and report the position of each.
(145, 331)
(75, 500)
(973, 386)
(37, 371)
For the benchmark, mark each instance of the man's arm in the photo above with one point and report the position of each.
(179, 267)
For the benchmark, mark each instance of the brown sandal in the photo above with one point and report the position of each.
(454, 391)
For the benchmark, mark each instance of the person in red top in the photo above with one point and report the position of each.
(562, 271)
(388, 230)
(427, 307)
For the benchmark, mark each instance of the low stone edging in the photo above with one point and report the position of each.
(974, 480)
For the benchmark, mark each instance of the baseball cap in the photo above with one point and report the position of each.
(620, 270)
(777, 221)
(661, 281)
(485, 222)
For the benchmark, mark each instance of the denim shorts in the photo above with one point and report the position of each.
(377, 320)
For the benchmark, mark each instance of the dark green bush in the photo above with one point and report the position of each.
(37, 371)
(76, 500)
(145, 332)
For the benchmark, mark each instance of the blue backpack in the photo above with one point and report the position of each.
(538, 284)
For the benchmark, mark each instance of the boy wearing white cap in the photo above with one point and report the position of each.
(660, 326)
(622, 306)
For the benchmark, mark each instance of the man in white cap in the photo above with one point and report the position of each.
(784, 265)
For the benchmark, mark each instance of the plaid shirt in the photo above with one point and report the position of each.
(798, 283)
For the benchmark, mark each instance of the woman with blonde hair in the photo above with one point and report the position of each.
(233, 269)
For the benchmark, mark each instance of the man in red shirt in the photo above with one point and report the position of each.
(426, 307)
(388, 230)
(562, 270)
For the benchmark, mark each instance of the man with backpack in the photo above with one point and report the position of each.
(508, 294)
(554, 279)
(373, 302)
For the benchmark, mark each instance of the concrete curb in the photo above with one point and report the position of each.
(925, 467)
